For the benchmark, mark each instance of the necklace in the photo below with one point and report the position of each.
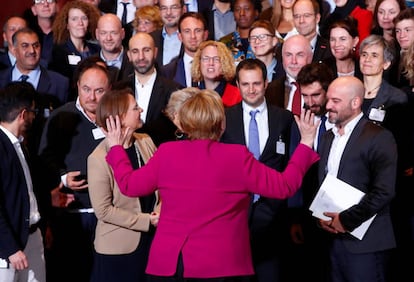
(372, 90)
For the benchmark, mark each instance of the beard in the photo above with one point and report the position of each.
(144, 69)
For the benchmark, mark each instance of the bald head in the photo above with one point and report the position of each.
(345, 97)
(296, 52)
(142, 53)
(109, 33)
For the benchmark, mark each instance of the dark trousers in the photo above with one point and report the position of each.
(70, 257)
(367, 267)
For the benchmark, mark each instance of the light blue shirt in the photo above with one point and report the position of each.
(224, 23)
(270, 70)
(12, 58)
(117, 62)
(34, 76)
(192, 5)
(172, 46)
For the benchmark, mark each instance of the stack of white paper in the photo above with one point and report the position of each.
(335, 195)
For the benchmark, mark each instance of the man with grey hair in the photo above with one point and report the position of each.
(296, 53)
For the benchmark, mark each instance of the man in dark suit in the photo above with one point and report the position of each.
(109, 33)
(21, 243)
(13, 24)
(364, 155)
(306, 239)
(191, 32)
(306, 17)
(52, 88)
(166, 39)
(152, 91)
(267, 216)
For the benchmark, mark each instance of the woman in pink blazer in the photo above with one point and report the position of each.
(206, 187)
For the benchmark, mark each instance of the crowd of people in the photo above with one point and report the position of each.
(185, 140)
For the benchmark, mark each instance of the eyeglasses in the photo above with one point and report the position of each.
(305, 16)
(173, 7)
(44, 1)
(207, 59)
(261, 37)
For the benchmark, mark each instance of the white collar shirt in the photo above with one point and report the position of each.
(34, 215)
(143, 94)
(338, 145)
(261, 120)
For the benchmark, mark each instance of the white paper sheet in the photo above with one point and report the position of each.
(335, 195)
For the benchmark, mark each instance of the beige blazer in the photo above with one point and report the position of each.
(120, 220)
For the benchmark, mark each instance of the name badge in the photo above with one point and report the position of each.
(98, 133)
(74, 59)
(377, 115)
(280, 147)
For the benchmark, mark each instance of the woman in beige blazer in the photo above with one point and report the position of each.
(125, 225)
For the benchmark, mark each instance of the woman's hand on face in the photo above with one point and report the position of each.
(307, 127)
(115, 135)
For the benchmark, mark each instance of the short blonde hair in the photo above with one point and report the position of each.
(226, 59)
(151, 13)
(202, 116)
(177, 99)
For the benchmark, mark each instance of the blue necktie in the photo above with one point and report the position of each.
(24, 77)
(322, 129)
(254, 144)
(124, 14)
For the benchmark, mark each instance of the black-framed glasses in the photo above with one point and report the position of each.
(261, 37)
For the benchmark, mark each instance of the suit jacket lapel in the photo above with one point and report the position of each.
(155, 97)
(44, 82)
(351, 143)
(180, 73)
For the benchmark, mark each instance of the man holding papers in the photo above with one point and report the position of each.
(364, 156)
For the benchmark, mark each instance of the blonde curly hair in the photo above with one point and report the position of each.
(60, 30)
(226, 59)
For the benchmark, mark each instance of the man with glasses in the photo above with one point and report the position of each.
(21, 242)
(192, 31)
(166, 40)
(13, 24)
(306, 17)
(40, 19)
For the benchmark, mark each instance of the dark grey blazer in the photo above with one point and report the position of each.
(368, 163)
